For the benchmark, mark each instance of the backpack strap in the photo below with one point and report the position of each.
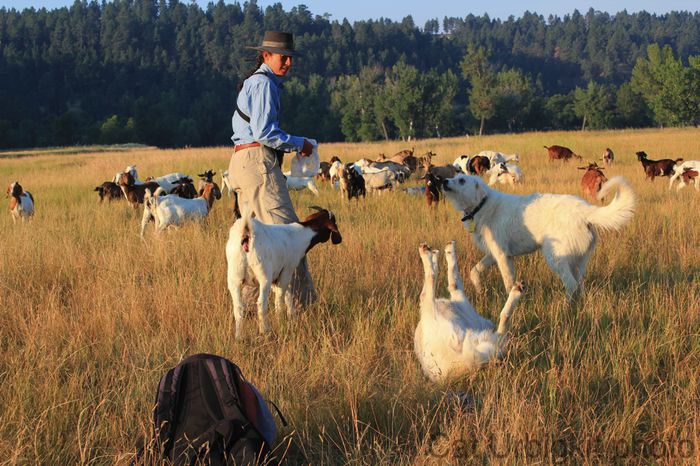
(167, 408)
(245, 117)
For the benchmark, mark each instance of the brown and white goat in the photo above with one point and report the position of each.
(134, 192)
(654, 168)
(272, 253)
(561, 153)
(689, 176)
(204, 178)
(592, 180)
(21, 202)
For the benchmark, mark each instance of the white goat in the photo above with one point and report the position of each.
(301, 182)
(505, 174)
(169, 210)
(451, 338)
(462, 162)
(678, 170)
(377, 181)
(498, 157)
(21, 202)
(334, 172)
(272, 253)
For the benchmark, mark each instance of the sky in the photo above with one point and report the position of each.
(423, 10)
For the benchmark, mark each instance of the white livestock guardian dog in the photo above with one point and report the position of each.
(562, 226)
(451, 338)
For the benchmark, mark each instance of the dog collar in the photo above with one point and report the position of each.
(470, 215)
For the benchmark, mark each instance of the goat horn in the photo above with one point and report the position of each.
(316, 208)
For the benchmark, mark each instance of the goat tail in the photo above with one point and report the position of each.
(159, 191)
(616, 214)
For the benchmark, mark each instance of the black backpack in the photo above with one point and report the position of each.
(207, 413)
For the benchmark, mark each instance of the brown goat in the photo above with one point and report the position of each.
(432, 188)
(324, 171)
(478, 165)
(443, 171)
(592, 180)
(134, 192)
(109, 190)
(690, 176)
(560, 153)
(654, 168)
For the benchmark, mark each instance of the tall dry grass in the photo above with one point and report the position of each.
(91, 317)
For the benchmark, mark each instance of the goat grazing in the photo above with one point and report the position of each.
(109, 190)
(592, 180)
(561, 153)
(272, 253)
(654, 168)
(451, 338)
(21, 202)
(173, 210)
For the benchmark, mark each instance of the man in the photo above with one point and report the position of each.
(255, 170)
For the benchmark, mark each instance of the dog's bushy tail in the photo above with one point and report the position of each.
(616, 214)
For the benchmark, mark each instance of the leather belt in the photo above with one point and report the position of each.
(245, 146)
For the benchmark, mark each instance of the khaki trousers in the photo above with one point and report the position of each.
(257, 178)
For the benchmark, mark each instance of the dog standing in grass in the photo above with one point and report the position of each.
(562, 226)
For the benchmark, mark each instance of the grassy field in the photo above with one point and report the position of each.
(91, 317)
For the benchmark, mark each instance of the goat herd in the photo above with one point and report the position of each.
(451, 337)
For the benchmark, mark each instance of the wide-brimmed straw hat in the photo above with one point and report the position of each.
(277, 42)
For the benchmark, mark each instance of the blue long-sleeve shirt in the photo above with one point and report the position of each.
(260, 100)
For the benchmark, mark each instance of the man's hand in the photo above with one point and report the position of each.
(307, 149)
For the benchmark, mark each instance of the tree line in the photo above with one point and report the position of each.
(165, 73)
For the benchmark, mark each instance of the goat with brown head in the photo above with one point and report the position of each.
(592, 180)
(323, 223)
